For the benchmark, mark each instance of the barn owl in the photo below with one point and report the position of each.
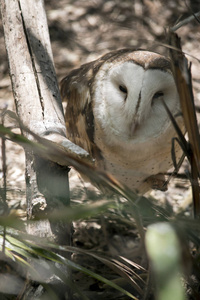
(115, 112)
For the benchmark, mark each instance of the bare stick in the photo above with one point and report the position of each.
(185, 22)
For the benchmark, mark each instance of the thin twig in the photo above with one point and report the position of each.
(185, 22)
(4, 168)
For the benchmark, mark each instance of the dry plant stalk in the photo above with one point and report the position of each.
(182, 74)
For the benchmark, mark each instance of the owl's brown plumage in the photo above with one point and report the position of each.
(114, 111)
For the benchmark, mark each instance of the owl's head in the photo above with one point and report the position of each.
(128, 94)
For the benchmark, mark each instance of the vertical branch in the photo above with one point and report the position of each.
(39, 107)
(182, 75)
(4, 190)
(38, 103)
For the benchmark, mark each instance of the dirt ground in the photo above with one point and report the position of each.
(81, 31)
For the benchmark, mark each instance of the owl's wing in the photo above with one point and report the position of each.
(75, 90)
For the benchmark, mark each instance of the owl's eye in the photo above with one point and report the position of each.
(157, 95)
(123, 89)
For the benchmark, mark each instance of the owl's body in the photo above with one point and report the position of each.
(115, 112)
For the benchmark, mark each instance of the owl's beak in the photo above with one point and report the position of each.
(134, 127)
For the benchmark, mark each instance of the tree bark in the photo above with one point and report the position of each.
(32, 72)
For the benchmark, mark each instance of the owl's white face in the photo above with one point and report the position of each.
(128, 102)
